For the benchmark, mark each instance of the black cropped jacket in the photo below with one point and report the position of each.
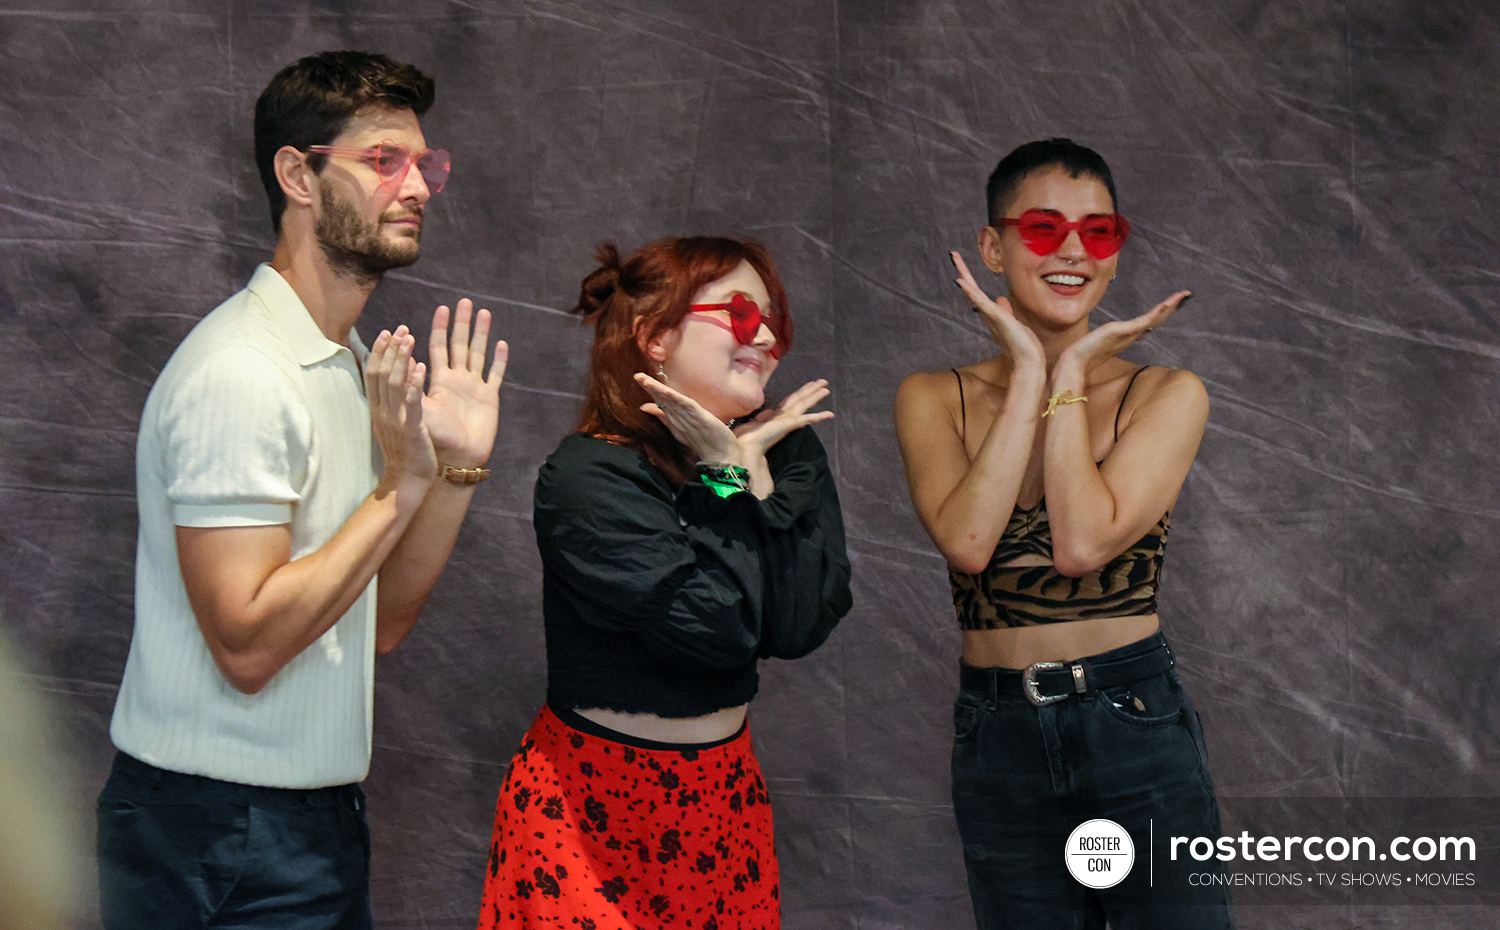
(660, 599)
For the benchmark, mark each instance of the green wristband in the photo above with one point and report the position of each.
(722, 479)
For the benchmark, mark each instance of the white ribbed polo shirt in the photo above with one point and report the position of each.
(256, 420)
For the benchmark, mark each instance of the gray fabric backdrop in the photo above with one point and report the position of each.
(1322, 174)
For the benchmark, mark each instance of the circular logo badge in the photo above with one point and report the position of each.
(1100, 853)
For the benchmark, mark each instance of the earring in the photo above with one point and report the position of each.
(1112, 275)
(661, 372)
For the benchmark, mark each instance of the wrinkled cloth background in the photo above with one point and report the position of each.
(1322, 174)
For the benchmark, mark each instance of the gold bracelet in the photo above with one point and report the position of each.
(454, 475)
(1062, 397)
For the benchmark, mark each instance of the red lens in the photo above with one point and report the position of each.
(1103, 233)
(744, 317)
(1043, 231)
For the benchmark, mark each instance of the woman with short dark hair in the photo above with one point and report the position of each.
(1046, 476)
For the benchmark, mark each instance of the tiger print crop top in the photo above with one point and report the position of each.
(1004, 595)
(1025, 595)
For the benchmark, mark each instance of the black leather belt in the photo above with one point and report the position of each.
(1048, 682)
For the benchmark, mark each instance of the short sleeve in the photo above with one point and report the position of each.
(234, 441)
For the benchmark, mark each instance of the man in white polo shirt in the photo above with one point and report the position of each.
(299, 496)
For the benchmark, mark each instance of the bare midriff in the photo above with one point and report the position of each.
(709, 728)
(1018, 647)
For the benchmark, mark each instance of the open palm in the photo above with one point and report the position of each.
(771, 426)
(1114, 337)
(462, 404)
(1008, 332)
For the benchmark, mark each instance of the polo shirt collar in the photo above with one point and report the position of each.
(309, 345)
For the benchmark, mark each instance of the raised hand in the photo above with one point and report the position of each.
(1008, 332)
(393, 384)
(1112, 338)
(703, 433)
(462, 404)
(771, 426)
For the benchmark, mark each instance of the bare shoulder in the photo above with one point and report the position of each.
(927, 389)
(929, 419)
(925, 382)
(1158, 380)
(1174, 394)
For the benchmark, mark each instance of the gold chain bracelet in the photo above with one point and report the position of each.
(1063, 397)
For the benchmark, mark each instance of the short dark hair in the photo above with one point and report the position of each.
(311, 100)
(1077, 160)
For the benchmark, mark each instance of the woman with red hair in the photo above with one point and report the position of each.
(686, 531)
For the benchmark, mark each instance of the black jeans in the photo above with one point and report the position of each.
(1025, 776)
(184, 851)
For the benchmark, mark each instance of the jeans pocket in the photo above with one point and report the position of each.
(967, 712)
(1157, 701)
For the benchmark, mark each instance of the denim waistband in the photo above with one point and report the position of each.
(188, 787)
(1053, 681)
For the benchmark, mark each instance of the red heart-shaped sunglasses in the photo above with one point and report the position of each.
(744, 321)
(1044, 231)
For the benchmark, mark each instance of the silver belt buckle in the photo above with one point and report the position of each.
(1029, 687)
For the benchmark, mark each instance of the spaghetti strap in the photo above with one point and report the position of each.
(1125, 395)
(963, 430)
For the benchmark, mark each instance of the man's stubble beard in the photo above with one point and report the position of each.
(354, 248)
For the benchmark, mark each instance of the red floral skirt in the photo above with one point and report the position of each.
(595, 833)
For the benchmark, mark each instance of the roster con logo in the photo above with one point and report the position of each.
(1099, 853)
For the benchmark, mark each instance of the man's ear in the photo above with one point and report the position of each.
(294, 176)
(989, 249)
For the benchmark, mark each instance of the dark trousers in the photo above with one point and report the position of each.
(1025, 776)
(184, 851)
